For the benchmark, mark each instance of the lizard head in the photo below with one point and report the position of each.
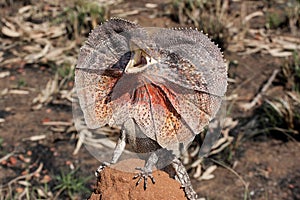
(139, 60)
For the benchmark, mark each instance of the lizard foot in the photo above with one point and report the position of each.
(101, 168)
(144, 174)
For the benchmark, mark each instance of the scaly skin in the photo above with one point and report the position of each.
(162, 86)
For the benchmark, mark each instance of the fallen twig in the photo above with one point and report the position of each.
(35, 138)
(246, 184)
(15, 91)
(26, 176)
(258, 97)
(57, 123)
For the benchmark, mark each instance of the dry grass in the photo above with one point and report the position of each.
(210, 16)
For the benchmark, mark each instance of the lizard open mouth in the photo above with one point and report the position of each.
(139, 61)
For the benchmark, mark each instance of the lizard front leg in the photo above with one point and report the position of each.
(120, 146)
(146, 171)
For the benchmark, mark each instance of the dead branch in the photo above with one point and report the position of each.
(258, 97)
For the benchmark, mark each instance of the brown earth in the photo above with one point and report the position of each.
(114, 185)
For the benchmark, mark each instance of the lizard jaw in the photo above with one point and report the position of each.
(139, 61)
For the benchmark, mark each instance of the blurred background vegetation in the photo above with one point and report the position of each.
(40, 154)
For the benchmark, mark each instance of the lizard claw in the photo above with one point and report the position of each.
(144, 175)
(101, 168)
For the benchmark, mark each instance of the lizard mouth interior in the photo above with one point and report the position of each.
(139, 60)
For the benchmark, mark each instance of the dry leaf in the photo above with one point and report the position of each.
(295, 96)
(56, 31)
(198, 171)
(41, 193)
(15, 91)
(24, 9)
(4, 92)
(279, 53)
(252, 15)
(31, 58)
(24, 183)
(4, 74)
(36, 137)
(9, 32)
(151, 5)
(207, 174)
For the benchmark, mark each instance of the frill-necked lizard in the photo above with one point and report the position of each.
(161, 86)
